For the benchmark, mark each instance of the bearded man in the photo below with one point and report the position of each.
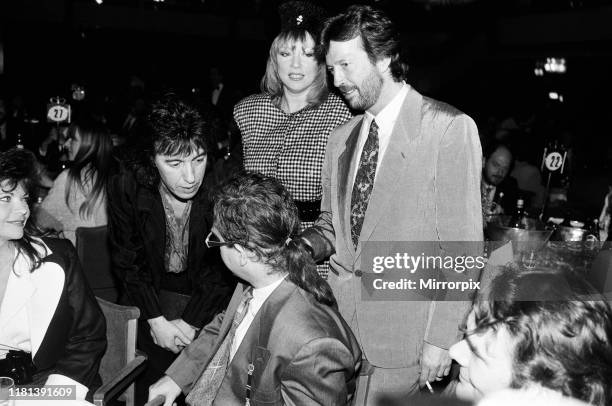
(408, 169)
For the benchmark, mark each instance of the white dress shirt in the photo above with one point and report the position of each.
(385, 120)
(259, 297)
(15, 332)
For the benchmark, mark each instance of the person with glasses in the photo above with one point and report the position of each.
(159, 213)
(281, 340)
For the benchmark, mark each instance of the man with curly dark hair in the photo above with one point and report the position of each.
(159, 216)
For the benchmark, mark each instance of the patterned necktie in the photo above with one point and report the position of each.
(205, 390)
(364, 182)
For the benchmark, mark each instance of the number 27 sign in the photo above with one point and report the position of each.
(58, 112)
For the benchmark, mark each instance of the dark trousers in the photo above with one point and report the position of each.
(158, 358)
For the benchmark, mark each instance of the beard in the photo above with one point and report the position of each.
(367, 94)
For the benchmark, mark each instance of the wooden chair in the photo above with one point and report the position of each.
(94, 253)
(120, 364)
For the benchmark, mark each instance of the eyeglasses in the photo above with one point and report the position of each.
(213, 241)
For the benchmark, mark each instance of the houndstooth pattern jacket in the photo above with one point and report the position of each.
(288, 147)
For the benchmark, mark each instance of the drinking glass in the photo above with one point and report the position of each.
(6, 384)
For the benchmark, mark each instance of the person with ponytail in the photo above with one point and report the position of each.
(288, 343)
(78, 196)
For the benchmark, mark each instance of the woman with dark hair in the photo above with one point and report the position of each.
(281, 339)
(78, 196)
(159, 215)
(545, 333)
(285, 128)
(47, 312)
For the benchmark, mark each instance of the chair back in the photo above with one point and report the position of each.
(94, 252)
(121, 329)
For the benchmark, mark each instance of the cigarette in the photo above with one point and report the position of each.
(429, 387)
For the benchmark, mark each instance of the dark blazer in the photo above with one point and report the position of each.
(68, 329)
(303, 352)
(510, 190)
(137, 232)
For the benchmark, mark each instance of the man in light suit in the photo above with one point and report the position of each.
(406, 170)
(281, 340)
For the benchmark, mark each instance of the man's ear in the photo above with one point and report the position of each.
(243, 254)
(383, 64)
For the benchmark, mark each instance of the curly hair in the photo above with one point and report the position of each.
(18, 167)
(561, 327)
(377, 31)
(176, 128)
(257, 212)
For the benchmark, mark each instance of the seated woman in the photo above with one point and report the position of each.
(78, 195)
(545, 333)
(46, 308)
(281, 340)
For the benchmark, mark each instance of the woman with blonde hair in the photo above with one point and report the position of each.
(285, 128)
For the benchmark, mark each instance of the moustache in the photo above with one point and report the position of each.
(346, 89)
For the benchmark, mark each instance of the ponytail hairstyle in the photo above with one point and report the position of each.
(257, 212)
(92, 165)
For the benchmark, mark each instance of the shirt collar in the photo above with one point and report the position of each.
(387, 117)
(263, 293)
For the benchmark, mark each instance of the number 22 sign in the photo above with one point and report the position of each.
(553, 161)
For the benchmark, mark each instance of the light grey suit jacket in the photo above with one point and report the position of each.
(427, 188)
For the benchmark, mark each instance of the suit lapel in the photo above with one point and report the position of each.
(232, 307)
(346, 173)
(393, 165)
(154, 225)
(254, 346)
(197, 222)
(49, 280)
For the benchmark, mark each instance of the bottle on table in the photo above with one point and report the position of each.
(19, 143)
(518, 219)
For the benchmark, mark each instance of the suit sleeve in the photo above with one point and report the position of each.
(192, 360)
(321, 235)
(459, 219)
(128, 256)
(320, 373)
(86, 340)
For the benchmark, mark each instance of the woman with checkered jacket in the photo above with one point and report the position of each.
(285, 128)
